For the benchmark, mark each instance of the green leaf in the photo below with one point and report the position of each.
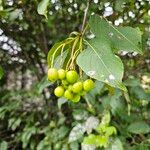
(88, 147)
(5, 12)
(1, 72)
(60, 60)
(91, 123)
(139, 93)
(132, 82)
(99, 141)
(91, 139)
(139, 128)
(110, 130)
(43, 84)
(61, 101)
(121, 38)
(57, 50)
(55, 47)
(62, 132)
(3, 145)
(106, 118)
(80, 114)
(115, 145)
(76, 133)
(74, 146)
(14, 123)
(26, 135)
(42, 8)
(17, 13)
(99, 62)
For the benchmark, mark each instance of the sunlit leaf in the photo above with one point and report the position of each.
(139, 127)
(42, 7)
(115, 144)
(121, 38)
(91, 123)
(76, 132)
(99, 58)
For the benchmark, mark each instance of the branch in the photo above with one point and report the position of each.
(85, 15)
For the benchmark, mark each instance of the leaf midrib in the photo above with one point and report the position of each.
(99, 57)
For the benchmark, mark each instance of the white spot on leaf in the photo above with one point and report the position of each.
(118, 37)
(111, 77)
(110, 34)
(106, 81)
(91, 73)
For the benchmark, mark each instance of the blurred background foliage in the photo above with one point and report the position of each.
(30, 116)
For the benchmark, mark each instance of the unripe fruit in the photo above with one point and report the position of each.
(59, 91)
(61, 74)
(71, 76)
(68, 95)
(52, 74)
(64, 82)
(88, 85)
(77, 87)
(70, 87)
(76, 98)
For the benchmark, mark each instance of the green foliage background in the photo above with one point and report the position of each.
(30, 115)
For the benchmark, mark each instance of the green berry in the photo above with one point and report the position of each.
(59, 91)
(61, 74)
(68, 95)
(71, 76)
(52, 74)
(88, 85)
(77, 87)
(70, 87)
(76, 98)
(64, 82)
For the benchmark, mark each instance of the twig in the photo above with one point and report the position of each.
(85, 15)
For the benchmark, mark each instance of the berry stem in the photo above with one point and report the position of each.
(85, 15)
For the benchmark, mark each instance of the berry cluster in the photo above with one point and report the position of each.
(68, 84)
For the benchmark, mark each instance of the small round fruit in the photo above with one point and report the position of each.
(77, 87)
(52, 74)
(88, 85)
(59, 91)
(76, 98)
(64, 82)
(68, 95)
(61, 74)
(70, 87)
(71, 76)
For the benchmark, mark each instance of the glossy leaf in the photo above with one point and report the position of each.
(121, 38)
(76, 132)
(91, 123)
(99, 62)
(116, 144)
(61, 101)
(57, 50)
(42, 7)
(139, 128)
